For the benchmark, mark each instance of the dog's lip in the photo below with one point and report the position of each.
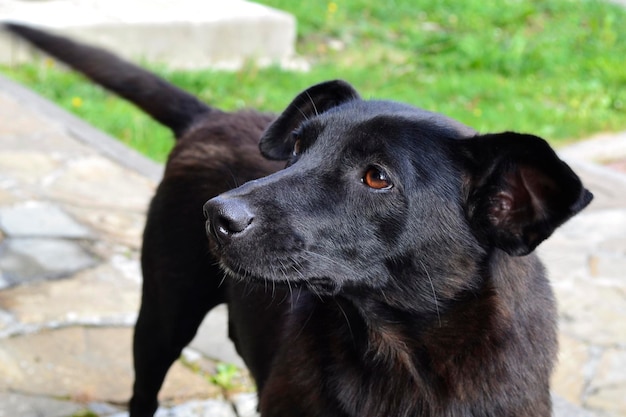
(320, 285)
(238, 271)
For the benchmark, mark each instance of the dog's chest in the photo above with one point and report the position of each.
(331, 365)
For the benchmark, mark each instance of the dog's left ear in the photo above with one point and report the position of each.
(518, 190)
(277, 141)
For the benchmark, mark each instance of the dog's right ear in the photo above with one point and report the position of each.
(277, 142)
(518, 190)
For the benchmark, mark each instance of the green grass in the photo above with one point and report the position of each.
(555, 68)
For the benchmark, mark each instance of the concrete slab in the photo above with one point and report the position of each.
(37, 259)
(212, 338)
(12, 404)
(181, 33)
(98, 296)
(87, 364)
(38, 219)
(608, 186)
(246, 405)
(59, 133)
(600, 148)
(561, 408)
(213, 408)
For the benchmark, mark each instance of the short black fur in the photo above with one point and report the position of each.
(397, 244)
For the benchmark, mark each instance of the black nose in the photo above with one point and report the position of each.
(227, 217)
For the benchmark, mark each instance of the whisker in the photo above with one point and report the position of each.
(233, 177)
(298, 297)
(295, 266)
(222, 281)
(306, 117)
(434, 293)
(331, 260)
(273, 289)
(385, 296)
(287, 280)
(304, 324)
(312, 102)
(347, 321)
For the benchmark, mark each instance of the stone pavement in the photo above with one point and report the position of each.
(71, 216)
(72, 208)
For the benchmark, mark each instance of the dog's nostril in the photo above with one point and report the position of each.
(227, 217)
(228, 224)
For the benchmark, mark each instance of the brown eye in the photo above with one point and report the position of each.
(296, 148)
(377, 179)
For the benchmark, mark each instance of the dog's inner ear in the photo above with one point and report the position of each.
(277, 142)
(519, 191)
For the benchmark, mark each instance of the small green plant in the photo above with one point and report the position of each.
(225, 376)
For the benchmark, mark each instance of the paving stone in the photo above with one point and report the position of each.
(615, 245)
(18, 120)
(571, 374)
(561, 408)
(98, 182)
(40, 219)
(608, 387)
(607, 264)
(592, 313)
(18, 193)
(71, 137)
(565, 258)
(4, 283)
(120, 226)
(7, 198)
(18, 405)
(595, 226)
(102, 409)
(96, 296)
(602, 146)
(608, 186)
(27, 166)
(26, 129)
(33, 259)
(7, 320)
(246, 405)
(213, 408)
(85, 364)
(212, 338)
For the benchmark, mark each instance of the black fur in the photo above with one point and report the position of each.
(386, 271)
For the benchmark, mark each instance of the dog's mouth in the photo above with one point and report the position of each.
(287, 277)
(250, 251)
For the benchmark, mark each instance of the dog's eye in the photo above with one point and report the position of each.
(297, 144)
(296, 148)
(377, 179)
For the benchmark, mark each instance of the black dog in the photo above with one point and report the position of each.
(386, 271)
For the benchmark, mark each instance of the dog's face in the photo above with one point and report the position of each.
(383, 196)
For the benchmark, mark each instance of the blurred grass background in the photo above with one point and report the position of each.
(555, 68)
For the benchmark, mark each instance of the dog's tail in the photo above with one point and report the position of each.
(166, 103)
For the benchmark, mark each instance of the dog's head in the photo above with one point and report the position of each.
(378, 194)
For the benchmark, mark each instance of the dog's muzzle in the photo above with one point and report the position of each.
(227, 218)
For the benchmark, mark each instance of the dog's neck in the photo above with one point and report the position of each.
(444, 326)
(429, 357)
